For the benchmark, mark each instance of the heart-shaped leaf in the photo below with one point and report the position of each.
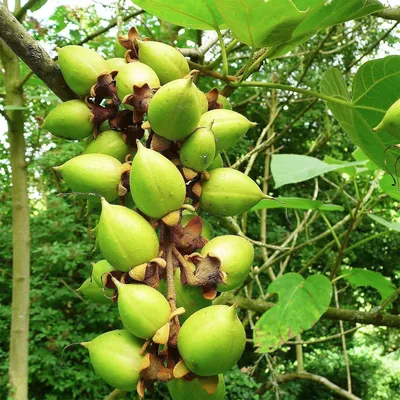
(293, 168)
(301, 304)
(197, 14)
(362, 277)
(296, 203)
(323, 14)
(261, 23)
(375, 89)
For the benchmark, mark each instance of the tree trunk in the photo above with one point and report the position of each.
(18, 369)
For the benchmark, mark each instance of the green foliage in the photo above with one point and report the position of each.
(305, 168)
(362, 277)
(301, 304)
(374, 91)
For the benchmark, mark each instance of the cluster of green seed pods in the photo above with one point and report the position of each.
(161, 264)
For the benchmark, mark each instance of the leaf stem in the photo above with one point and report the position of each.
(225, 70)
(312, 93)
(331, 229)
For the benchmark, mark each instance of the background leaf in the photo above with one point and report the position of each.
(391, 225)
(301, 304)
(261, 23)
(322, 15)
(197, 14)
(296, 203)
(363, 277)
(375, 85)
(386, 185)
(293, 168)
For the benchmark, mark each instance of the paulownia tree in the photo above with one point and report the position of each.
(265, 31)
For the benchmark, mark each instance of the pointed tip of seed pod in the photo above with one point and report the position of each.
(379, 127)
(58, 49)
(232, 310)
(139, 145)
(85, 344)
(253, 124)
(104, 202)
(57, 168)
(116, 282)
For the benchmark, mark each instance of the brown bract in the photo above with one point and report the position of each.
(130, 44)
(103, 100)
(139, 100)
(149, 273)
(212, 97)
(131, 132)
(187, 239)
(207, 273)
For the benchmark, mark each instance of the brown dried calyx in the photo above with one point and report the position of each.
(188, 239)
(212, 97)
(129, 43)
(140, 101)
(131, 132)
(103, 100)
(149, 273)
(206, 272)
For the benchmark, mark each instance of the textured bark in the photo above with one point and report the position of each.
(336, 314)
(18, 369)
(29, 50)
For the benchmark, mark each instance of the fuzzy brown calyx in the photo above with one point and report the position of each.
(140, 101)
(212, 97)
(131, 132)
(149, 273)
(188, 239)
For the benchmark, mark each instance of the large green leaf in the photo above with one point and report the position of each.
(301, 304)
(390, 225)
(261, 23)
(197, 14)
(362, 277)
(386, 185)
(323, 14)
(293, 168)
(296, 203)
(375, 87)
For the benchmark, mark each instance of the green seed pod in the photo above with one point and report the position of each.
(217, 163)
(229, 192)
(226, 105)
(143, 310)
(120, 50)
(212, 340)
(108, 142)
(116, 358)
(100, 270)
(391, 121)
(135, 74)
(179, 389)
(157, 187)
(189, 297)
(236, 255)
(229, 127)
(125, 238)
(174, 111)
(207, 230)
(203, 101)
(92, 173)
(70, 120)
(115, 64)
(198, 150)
(168, 63)
(92, 291)
(80, 67)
